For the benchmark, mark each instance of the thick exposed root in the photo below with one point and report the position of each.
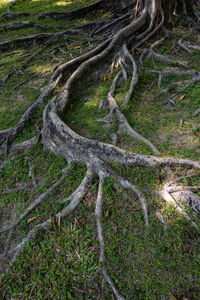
(26, 24)
(196, 13)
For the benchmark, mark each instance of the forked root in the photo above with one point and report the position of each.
(128, 185)
(123, 125)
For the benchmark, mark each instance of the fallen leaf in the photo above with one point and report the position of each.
(172, 297)
(198, 133)
(163, 155)
(138, 51)
(107, 213)
(31, 220)
(54, 181)
(81, 220)
(182, 97)
(37, 126)
(53, 221)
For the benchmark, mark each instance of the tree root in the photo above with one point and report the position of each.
(197, 112)
(97, 156)
(17, 25)
(134, 79)
(15, 15)
(37, 38)
(184, 47)
(160, 217)
(196, 13)
(128, 185)
(172, 191)
(33, 205)
(98, 213)
(8, 76)
(4, 163)
(188, 197)
(165, 59)
(74, 13)
(170, 101)
(31, 173)
(183, 193)
(10, 134)
(112, 24)
(17, 189)
(123, 125)
(28, 144)
(74, 199)
(168, 198)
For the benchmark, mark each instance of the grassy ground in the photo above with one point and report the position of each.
(63, 263)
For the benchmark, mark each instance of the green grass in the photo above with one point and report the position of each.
(148, 265)
(63, 263)
(36, 6)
